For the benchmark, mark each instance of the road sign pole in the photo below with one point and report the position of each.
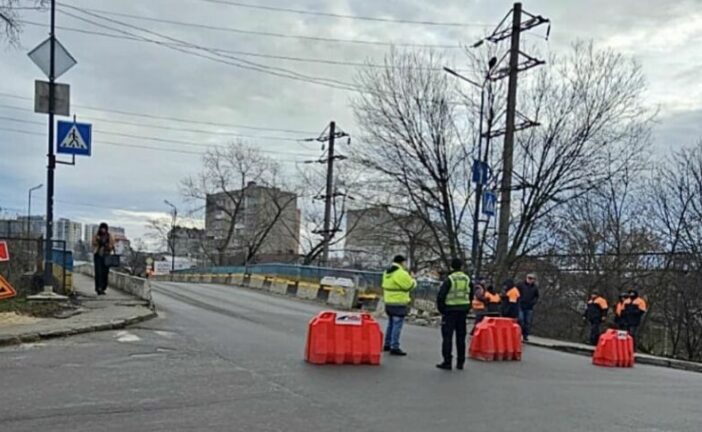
(48, 264)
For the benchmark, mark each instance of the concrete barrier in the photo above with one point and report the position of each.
(307, 291)
(136, 286)
(257, 281)
(342, 298)
(236, 279)
(279, 286)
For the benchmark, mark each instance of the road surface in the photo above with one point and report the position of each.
(227, 359)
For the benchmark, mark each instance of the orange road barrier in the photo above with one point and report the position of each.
(615, 348)
(6, 290)
(496, 339)
(343, 338)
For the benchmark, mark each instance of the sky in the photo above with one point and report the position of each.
(154, 109)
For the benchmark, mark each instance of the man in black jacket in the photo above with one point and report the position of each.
(453, 302)
(528, 298)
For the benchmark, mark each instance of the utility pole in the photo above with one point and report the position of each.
(518, 62)
(508, 149)
(48, 245)
(171, 235)
(329, 195)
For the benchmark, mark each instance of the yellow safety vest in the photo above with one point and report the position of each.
(458, 294)
(397, 285)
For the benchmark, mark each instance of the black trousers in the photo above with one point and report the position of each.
(594, 332)
(101, 273)
(454, 322)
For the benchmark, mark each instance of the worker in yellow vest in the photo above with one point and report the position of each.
(453, 302)
(397, 284)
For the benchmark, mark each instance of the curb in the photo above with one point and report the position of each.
(640, 359)
(88, 328)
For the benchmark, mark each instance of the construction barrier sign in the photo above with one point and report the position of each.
(6, 290)
(4, 251)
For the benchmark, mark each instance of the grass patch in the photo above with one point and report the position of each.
(36, 309)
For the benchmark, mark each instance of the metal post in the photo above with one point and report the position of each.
(478, 190)
(29, 209)
(48, 264)
(508, 150)
(329, 196)
(171, 234)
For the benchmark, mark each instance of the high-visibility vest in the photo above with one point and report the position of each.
(458, 294)
(492, 297)
(512, 295)
(477, 304)
(397, 285)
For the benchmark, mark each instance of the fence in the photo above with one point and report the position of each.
(24, 269)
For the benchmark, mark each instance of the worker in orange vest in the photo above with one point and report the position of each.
(492, 301)
(477, 304)
(619, 311)
(595, 314)
(510, 299)
(634, 308)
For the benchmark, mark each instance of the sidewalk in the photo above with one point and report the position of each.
(112, 311)
(577, 348)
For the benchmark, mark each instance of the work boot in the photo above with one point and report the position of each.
(386, 348)
(444, 366)
(459, 366)
(397, 352)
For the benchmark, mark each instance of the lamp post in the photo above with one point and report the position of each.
(29, 208)
(171, 240)
(482, 159)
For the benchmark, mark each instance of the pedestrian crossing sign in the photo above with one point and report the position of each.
(74, 138)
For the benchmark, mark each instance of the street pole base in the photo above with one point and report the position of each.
(47, 295)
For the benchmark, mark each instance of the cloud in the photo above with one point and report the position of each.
(126, 180)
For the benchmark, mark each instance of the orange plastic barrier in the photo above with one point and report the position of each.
(615, 348)
(343, 338)
(496, 339)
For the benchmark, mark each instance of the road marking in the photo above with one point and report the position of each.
(125, 336)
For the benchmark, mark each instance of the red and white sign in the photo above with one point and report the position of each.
(4, 251)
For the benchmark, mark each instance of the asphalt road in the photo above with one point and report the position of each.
(226, 359)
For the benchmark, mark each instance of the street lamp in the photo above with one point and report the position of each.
(29, 207)
(475, 258)
(172, 233)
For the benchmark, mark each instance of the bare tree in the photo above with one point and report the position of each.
(594, 123)
(410, 138)
(161, 231)
(10, 23)
(243, 199)
(676, 217)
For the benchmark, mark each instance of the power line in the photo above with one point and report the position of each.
(270, 34)
(220, 58)
(344, 16)
(140, 146)
(178, 119)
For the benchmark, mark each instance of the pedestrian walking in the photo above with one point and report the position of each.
(619, 311)
(510, 300)
(595, 314)
(528, 298)
(397, 284)
(103, 245)
(634, 309)
(453, 303)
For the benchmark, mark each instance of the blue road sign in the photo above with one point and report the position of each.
(73, 138)
(489, 203)
(480, 172)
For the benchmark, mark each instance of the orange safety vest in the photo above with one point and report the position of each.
(477, 304)
(492, 297)
(619, 308)
(513, 295)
